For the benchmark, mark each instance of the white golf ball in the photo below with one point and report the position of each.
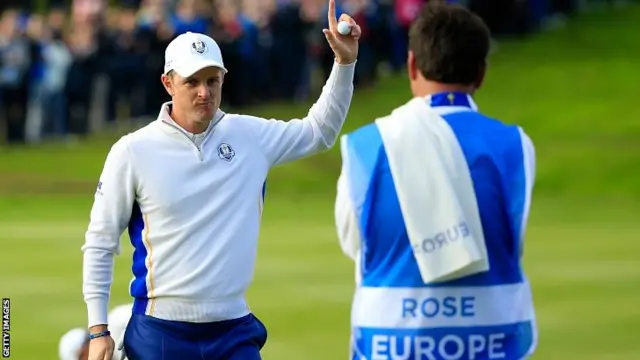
(344, 27)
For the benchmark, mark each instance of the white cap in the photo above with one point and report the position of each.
(191, 52)
(71, 344)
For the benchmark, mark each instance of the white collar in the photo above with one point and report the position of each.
(447, 102)
(165, 117)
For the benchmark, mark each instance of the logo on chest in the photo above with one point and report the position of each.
(226, 152)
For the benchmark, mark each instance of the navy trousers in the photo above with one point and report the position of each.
(149, 338)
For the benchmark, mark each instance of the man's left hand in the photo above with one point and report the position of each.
(345, 47)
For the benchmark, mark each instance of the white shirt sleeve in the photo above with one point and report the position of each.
(284, 141)
(345, 216)
(110, 215)
(529, 159)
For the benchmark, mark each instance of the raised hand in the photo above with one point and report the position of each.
(345, 47)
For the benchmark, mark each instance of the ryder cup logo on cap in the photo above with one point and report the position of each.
(199, 47)
(191, 52)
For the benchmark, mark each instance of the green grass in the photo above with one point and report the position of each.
(583, 268)
(573, 90)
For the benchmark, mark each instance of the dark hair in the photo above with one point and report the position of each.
(450, 43)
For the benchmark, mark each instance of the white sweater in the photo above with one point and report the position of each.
(193, 208)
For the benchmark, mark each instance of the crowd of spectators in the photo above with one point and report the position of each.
(53, 59)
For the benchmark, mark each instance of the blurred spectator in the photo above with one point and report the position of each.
(187, 18)
(16, 55)
(87, 10)
(289, 52)
(57, 59)
(126, 67)
(83, 45)
(34, 30)
(227, 28)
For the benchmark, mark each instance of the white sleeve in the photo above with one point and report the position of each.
(284, 141)
(110, 215)
(345, 216)
(529, 159)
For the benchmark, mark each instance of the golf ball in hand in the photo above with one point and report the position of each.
(344, 27)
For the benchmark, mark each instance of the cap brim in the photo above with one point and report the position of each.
(192, 68)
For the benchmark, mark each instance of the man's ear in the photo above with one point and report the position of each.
(167, 83)
(412, 67)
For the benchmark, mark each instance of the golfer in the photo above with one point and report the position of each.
(432, 205)
(190, 189)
